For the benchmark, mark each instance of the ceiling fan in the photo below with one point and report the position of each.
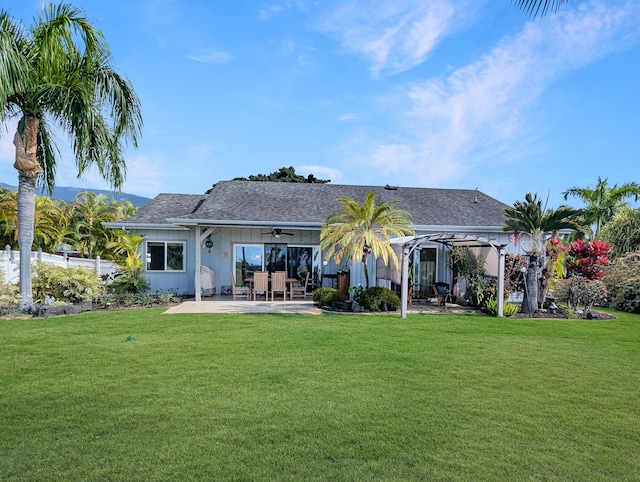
(277, 232)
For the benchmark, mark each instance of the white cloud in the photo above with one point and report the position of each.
(461, 121)
(394, 36)
(348, 117)
(212, 57)
(321, 172)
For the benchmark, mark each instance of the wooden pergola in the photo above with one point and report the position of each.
(410, 243)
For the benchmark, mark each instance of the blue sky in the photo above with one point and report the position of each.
(454, 94)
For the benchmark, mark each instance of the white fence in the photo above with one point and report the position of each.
(10, 264)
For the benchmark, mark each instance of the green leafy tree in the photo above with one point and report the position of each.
(284, 174)
(603, 202)
(531, 218)
(58, 74)
(360, 230)
(622, 232)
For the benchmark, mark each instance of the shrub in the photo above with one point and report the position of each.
(509, 309)
(376, 297)
(623, 283)
(128, 284)
(72, 285)
(327, 296)
(622, 232)
(491, 307)
(9, 297)
(576, 291)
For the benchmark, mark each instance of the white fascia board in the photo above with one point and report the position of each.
(238, 223)
(458, 229)
(125, 225)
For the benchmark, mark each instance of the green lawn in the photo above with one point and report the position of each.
(137, 395)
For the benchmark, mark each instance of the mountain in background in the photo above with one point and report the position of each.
(67, 194)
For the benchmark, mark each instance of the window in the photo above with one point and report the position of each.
(247, 260)
(165, 256)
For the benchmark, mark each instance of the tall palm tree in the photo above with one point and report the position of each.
(58, 74)
(531, 218)
(603, 202)
(538, 7)
(359, 230)
(86, 214)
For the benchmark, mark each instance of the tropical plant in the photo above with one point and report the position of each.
(50, 223)
(538, 7)
(72, 285)
(588, 259)
(58, 74)
(623, 282)
(86, 214)
(360, 230)
(531, 218)
(130, 266)
(622, 232)
(603, 202)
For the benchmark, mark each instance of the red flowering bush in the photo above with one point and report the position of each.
(588, 259)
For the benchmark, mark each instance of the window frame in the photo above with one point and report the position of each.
(165, 246)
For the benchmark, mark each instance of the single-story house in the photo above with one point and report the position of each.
(243, 226)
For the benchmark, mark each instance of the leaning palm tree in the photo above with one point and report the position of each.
(603, 202)
(359, 230)
(58, 75)
(531, 218)
(538, 7)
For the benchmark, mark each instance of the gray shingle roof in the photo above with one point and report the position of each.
(290, 203)
(165, 206)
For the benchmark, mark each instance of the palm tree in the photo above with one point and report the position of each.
(538, 7)
(86, 214)
(531, 218)
(49, 223)
(360, 230)
(603, 202)
(8, 217)
(58, 74)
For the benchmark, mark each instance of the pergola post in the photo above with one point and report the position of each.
(404, 282)
(501, 263)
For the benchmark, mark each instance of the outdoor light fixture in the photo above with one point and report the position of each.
(208, 244)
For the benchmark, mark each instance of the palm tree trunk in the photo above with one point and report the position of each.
(366, 271)
(530, 299)
(28, 170)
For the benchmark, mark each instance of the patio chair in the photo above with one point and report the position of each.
(300, 291)
(261, 284)
(441, 291)
(279, 284)
(242, 291)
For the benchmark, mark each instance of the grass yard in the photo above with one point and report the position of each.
(137, 395)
